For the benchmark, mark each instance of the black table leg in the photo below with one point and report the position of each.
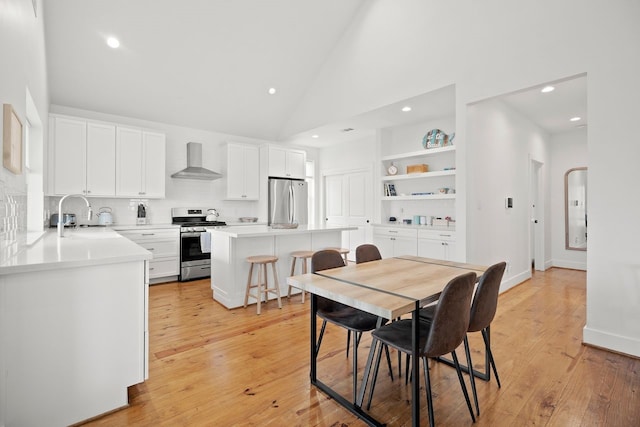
(415, 362)
(313, 353)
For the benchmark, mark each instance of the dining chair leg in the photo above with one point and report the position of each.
(375, 375)
(386, 351)
(324, 325)
(348, 341)
(473, 378)
(462, 384)
(427, 381)
(487, 345)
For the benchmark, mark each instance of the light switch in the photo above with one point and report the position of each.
(508, 202)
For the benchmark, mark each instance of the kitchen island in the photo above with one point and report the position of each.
(73, 327)
(230, 246)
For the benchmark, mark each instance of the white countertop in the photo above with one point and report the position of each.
(265, 230)
(142, 227)
(417, 226)
(78, 247)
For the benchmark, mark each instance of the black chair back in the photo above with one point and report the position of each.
(485, 301)
(451, 318)
(366, 253)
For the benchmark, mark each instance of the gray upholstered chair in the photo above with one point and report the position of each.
(367, 252)
(442, 335)
(352, 319)
(483, 310)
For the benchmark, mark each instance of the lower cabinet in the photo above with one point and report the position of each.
(164, 244)
(395, 241)
(437, 244)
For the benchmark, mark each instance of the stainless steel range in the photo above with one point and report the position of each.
(194, 262)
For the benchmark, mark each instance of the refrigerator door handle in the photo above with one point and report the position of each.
(292, 200)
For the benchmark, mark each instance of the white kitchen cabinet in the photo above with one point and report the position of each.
(286, 163)
(101, 160)
(242, 172)
(395, 241)
(437, 244)
(164, 245)
(140, 165)
(84, 157)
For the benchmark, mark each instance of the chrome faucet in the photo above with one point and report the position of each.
(60, 224)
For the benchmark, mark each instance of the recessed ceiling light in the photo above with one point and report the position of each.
(272, 90)
(113, 42)
(406, 109)
(548, 89)
(575, 119)
(315, 136)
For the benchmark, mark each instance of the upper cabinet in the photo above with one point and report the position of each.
(286, 163)
(140, 165)
(242, 172)
(100, 159)
(84, 157)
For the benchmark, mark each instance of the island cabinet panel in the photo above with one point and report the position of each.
(76, 341)
(231, 246)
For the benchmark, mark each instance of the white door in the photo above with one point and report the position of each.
(347, 203)
(358, 195)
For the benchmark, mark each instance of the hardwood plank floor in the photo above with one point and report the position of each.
(210, 366)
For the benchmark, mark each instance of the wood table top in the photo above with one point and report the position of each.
(389, 287)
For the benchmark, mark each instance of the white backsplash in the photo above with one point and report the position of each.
(125, 211)
(13, 220)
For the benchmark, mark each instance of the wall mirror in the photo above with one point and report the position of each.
(575, 209)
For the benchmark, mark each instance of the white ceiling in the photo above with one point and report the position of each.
(208, 64)
(205, 64)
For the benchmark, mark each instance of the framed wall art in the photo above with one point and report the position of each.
(11, 140)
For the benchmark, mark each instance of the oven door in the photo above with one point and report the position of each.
(190, 249)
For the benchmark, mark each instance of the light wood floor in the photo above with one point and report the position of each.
(210, 366)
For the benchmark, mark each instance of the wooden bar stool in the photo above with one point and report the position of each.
(299, 255)
(262, 288)
(343, 251)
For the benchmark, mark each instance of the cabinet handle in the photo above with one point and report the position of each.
(88, 191)
(244, 195)
(148, 234)
(445, 235)
(393, 231)
(151, 249)
(151, 268)
(393, 238)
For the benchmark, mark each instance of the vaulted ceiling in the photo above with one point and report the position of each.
(208, 64)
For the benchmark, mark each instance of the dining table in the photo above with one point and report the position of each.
(388, 288)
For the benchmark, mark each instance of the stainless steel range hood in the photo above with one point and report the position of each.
(194, 169)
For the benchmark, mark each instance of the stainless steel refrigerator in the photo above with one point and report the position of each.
(287, 201)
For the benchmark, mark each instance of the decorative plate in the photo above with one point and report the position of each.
(436, 138)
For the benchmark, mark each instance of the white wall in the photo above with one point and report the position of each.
(23, 67)
(501, 143)
(568, 150)
(495, 47)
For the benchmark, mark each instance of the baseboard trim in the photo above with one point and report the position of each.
(613, 342)
(573, 265)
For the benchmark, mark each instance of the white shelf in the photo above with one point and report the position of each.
(421, 153)
(421, 197)
(419, 175)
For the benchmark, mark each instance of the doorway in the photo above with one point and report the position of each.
(537, 224)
